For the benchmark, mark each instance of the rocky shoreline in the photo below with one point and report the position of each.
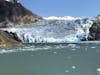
(9, 39)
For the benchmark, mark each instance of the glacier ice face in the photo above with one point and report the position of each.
(55, 31)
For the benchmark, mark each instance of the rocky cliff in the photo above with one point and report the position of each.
(9, 39)
(95, 30)
(15, 14)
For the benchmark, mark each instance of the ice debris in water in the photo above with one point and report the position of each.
(73, 49)
(72, 45)
(55, 52)
(66, 71)
(93, 47)
(73, 67)
(98, 69)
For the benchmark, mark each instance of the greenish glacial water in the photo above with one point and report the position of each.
(51, 60)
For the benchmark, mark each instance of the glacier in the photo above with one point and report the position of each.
(54, 30)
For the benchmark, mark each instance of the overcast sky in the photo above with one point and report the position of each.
(74, 8)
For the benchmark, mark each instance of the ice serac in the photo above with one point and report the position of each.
(12, 14)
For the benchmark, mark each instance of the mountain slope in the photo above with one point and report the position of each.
(15, 14)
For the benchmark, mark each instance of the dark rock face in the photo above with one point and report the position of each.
(9, 39)
(95, 30)
(15, 14)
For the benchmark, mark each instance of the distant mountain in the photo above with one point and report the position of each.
(61, 18)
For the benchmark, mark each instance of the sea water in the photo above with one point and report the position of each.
(52, 47)
(62, 59)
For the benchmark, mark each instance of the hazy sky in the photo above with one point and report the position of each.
(63, 7)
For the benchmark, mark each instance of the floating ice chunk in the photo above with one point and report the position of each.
(72, 45)
(73, 67)
(66, 71)
(98, 69)
(92, 47)
(74, 49)
(55, 52)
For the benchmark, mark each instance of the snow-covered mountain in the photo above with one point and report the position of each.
(61, 18)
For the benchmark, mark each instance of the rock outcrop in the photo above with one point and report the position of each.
(15, 14)
(95, 30)
(9, 39)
